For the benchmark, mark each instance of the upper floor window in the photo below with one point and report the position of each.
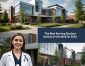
(38, 5)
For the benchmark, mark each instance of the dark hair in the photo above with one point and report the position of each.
(18, 34)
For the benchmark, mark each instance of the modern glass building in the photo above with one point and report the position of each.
(32, 9)
(25, 7)
(48, 50)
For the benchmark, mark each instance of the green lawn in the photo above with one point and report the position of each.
(48, 25)
(4, 28)
(7, 27)
(74, 65)
(78, 26)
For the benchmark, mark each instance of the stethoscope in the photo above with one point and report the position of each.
(25, 59)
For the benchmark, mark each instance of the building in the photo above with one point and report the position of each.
(0, 7)
(48, 50)
(78, 57)
(34, 9)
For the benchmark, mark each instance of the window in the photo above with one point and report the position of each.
(58, 12)
(17, 8)
(43, 12)
(30, 38)
(27, 8)
(38, 5)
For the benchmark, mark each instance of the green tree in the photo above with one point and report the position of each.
(78, 10)
(63, 15)
(6, 45)
(5, 16)
(39, 19)
(22, 16)
(56, 56)
(54, 16)
(39, 56)
(83, 56)
(83, 17)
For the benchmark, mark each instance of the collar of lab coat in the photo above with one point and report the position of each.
(12, 59)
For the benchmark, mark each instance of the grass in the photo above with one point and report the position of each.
(7, 27)
(47, 25)
(4, 28)
(78, 26)
(74, 65)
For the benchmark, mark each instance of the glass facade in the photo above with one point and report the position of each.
(38, 5)
(1, 40)
(25, 7)
(17, 9)
(47, 12)
(30, 38)
(58, 12)
(48, 48)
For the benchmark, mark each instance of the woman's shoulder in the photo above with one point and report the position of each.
(27, 55)
(6, 54)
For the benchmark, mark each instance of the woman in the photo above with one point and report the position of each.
(16, 57)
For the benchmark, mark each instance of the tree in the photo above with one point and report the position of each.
(6, 45)
(39, 19)
(21, 16)
(83, 17)
(79, 10)
(83, 56)
(39, 56)
(54, 16)
(56, 56)
(63, 15)
(5, 16)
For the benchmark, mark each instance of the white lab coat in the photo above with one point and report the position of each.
(8, 60)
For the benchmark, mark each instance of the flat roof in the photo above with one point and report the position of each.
(56, 5)
(23, 3)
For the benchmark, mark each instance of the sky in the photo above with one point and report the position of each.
(49, 48)
(77, 47)
(67, 4)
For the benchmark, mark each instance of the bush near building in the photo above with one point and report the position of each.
(4, 17)
(9, 27)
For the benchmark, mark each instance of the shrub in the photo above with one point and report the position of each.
(16, 27)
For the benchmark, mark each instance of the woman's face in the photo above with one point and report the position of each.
(17, 42)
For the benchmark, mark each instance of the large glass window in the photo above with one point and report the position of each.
(17, 9)
(38, 5)
(30, 38)
(48, 48)
(27, 8)
(58, 12)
